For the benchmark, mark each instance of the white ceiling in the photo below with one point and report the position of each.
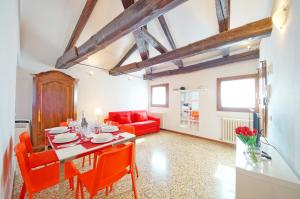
(47, 25)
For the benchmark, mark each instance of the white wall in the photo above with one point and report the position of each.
(9, 48)
(210, 123)
(281, 51)
(97, 91)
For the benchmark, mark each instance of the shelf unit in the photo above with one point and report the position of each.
(189, 109)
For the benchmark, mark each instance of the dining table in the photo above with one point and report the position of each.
(80, 148)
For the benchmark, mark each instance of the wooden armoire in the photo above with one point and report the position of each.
(54, 100)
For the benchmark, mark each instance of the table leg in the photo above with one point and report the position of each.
(61, 179)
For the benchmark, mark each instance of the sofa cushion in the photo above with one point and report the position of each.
(139, 116)
(113, 116)
(124, 118)
(144, 125)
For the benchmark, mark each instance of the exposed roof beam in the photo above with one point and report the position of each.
(137, 15)
(255, 30)
(167, 32)
(127, 3)
(208, 64)
(150, 39)
(85, 14)
(223, 15)
(141, 44)
(129, 52)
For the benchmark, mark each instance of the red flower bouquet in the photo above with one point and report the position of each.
(248, 137)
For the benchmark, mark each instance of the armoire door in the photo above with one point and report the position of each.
(54, 99)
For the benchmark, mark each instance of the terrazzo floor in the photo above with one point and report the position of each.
(170, 166)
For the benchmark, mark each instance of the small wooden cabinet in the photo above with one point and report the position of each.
(54, 100)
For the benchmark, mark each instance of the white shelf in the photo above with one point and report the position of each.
(270, 178)
(188, 120)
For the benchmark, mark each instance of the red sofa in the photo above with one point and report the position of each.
(140, 120)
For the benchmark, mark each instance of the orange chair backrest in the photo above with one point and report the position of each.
(22, 157)
(113, 164)
(127, 128)
(63, 124)
(25, 138)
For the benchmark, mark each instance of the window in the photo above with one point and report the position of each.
(237, 93)
(160, 95)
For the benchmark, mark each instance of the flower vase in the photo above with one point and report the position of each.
(253, 154)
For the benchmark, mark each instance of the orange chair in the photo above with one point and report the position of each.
(113, 164)
(42, 178)
(39, 158)
(129, 129)
(63, 124)
(125, 128)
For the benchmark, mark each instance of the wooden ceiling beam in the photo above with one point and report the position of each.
(223, 16)
(136, 16)
(82, 21)
(150, 39)
(254, 31)
(169, 37)
(141, 44)
(254, 54)
(127, 3)
(125, 57)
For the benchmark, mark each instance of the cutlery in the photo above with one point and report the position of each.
(69, 145)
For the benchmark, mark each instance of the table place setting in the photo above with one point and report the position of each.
(89, 137)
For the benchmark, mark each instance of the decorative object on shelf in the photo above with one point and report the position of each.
(248, 137)
(182, 88)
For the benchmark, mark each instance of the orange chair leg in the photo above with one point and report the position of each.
(71, 182)
(77, 189)
(136, 170)
(83, 160)
(133, 186)
(81, 190)
(106, 191)
(95, 161)
(23, 191)
(30, 196)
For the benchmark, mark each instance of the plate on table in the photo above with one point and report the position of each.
(102, 138)
(109, 129)
(63, 138)
(58, 130)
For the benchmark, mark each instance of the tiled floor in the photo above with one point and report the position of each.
(171, 166)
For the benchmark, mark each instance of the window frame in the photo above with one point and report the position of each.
(166, 85)
(239, 77)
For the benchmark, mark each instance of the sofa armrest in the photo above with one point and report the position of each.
(150, 117)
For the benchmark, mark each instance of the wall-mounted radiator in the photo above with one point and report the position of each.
(20, 127)
(229, 125)
(160, 116)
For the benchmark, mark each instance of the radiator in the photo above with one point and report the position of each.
(160, 116)
(20, 127)
(229, 125)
